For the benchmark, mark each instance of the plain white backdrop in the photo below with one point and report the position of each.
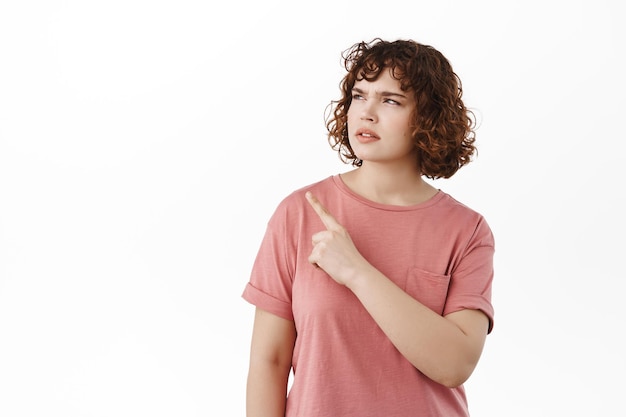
(144, 145)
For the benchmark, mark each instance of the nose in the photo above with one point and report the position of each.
(368, 112)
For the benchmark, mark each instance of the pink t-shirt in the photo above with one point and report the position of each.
(440, 252)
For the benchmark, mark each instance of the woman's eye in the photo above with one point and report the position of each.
(357, 97)
(390, 101)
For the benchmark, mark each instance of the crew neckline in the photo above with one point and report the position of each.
(341, 185)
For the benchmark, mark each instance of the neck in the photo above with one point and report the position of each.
(398, 185)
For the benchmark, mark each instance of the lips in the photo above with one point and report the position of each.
(366, 136)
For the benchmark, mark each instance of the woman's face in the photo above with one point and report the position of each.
(379, 121)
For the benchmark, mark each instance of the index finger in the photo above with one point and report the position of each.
(327, 218)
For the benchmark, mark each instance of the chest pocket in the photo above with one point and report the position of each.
(428, 288)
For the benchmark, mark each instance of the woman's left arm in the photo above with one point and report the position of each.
(444, 348)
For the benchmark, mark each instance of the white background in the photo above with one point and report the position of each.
(144, 145)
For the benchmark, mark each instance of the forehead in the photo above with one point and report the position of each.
(386, 85)
(385, 80)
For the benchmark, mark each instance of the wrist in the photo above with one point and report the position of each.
(358, 275)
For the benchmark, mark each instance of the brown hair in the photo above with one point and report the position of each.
(443, 129)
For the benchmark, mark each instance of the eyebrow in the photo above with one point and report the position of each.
(382, 93)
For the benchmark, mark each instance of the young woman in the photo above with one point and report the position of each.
(373, 286)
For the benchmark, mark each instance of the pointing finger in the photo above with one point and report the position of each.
(327, 218)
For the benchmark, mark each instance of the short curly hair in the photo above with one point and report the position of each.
(443, 130)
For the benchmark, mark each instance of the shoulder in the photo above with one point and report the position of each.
(466, 218)
(453, 206)
(294, 205)
(296, 198)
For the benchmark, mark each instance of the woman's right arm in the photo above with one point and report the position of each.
(271, 351)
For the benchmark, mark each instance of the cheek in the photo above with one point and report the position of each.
(406, 121)
(350, 113)
(349, 120)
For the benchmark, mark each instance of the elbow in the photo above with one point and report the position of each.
(455, 370)
(453, 381)
(454, 377)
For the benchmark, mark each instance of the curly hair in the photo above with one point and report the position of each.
(443, 128)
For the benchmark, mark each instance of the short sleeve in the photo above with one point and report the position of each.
(270, 284)
(471, 279)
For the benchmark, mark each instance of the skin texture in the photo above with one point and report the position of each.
(446, 349)
(271, 349)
